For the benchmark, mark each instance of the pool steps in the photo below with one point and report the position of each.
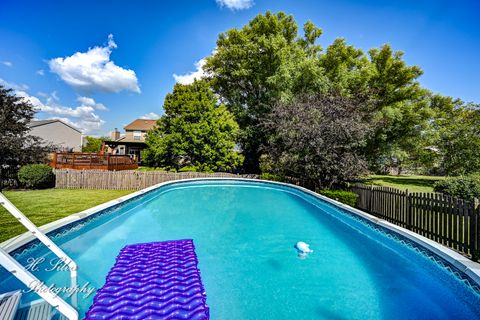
(27, 278)
(35, 311)
(8, 304)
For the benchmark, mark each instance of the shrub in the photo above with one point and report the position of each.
(465, 187)
(148, 169)
(188, 169)
(271, 177)
(346, 197)
(36, 176)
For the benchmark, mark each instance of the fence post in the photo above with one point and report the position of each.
(409, 209)
(370, 200)
(54, 160)
(475, 230)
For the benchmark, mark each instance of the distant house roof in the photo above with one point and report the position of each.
(141, 124)
(37, 123)
(122, 140)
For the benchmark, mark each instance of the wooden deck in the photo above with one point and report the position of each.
(92, 161)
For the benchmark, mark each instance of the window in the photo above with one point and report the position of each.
(137, 135)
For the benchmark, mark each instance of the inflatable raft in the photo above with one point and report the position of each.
(158, 280)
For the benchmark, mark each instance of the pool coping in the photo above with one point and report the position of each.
(462, 263)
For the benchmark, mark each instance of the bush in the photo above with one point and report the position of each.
(464, 187)
(271, 177)
(346, 197)
(36, 176)
(148, 169)
(189, 169)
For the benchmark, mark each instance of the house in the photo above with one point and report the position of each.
(64, 137)
(132, 142)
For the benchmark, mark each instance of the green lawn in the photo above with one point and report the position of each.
(44, 206)
(412, 183)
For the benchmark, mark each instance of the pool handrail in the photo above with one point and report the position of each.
(24, 275)
(40, 288)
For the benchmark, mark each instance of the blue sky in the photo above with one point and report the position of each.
(102, 64)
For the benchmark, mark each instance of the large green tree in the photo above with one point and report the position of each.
(456, 131)
(317, 138)
(267, 62)
(17, 146)
(196, 132)
(399, 108)
(93, 144)
(260, 64)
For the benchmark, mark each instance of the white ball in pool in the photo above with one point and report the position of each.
(303, 247)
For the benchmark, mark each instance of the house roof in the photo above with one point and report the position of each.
(124, 141)
(37, 123)
(141, 124)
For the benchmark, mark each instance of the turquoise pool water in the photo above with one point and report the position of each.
(244, 234)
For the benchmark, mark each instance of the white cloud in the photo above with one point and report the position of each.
(85, 118)
(40, 72)
(150, 116)
(191, 76)
(14, 86)
(32, 99)
(93, 71)
(7, 63)
(86, 101)
(85, 125)
(236, 4)
(54, 96)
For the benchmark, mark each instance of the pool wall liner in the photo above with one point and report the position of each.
(157, 280)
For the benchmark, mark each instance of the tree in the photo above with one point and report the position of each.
(255, 67)
(266, 62)
(195, 132)
(457, 132)
(17, 146)
(399, 103)
(93, 144)
(318, 138)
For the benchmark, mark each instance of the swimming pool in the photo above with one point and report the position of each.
(244, 234)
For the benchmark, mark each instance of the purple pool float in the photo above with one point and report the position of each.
(157, 280)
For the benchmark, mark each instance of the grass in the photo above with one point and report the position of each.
(412, 183)
(44, 206)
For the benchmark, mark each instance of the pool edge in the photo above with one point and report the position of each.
(463, 264)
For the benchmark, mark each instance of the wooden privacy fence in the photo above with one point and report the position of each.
(126, 179)
(450, 221)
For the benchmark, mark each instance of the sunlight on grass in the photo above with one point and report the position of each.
(44, 206)
(412, 183)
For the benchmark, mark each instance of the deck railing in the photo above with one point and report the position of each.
(92, 161)
(450, 221)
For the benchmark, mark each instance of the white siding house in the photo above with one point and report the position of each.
(64, 136)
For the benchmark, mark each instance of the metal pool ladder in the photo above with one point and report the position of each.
(27, 278)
